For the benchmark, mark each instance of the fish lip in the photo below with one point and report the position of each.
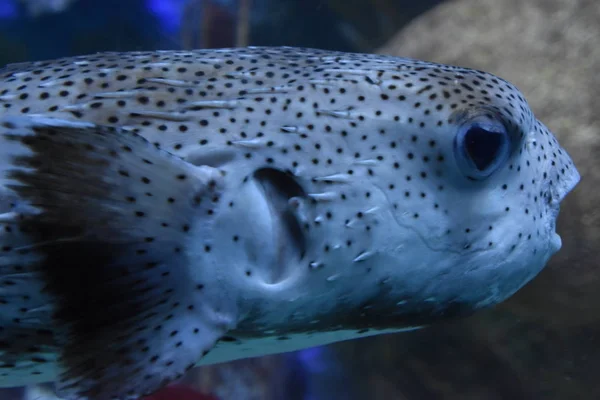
(554, 237)
(555, 242)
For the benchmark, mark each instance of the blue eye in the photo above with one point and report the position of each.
(481, 146)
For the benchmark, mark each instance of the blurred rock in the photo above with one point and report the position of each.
(544, 343)
(367, 24)
(549, 49)
(276, 377)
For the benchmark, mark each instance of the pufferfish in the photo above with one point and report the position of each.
(162, 210)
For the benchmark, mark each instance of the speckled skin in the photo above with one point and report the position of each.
(325, 197)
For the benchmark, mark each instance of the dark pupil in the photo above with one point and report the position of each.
(483, 146)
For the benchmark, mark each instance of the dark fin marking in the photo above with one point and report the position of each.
(131, 317)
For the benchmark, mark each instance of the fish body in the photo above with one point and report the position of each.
(161, 210)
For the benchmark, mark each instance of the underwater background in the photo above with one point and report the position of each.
(544, 343)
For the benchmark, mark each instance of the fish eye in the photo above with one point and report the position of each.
(481, 146)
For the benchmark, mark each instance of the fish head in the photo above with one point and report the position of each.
(471, 189)
(443, 201)
(482, 183)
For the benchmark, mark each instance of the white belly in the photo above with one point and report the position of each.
(235, 350)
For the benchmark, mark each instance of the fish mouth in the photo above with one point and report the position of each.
(278, 187)
(553, 210)
(555, 195)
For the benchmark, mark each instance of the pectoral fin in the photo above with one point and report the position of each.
(110, 217)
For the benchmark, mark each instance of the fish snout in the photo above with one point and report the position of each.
(569, 177)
